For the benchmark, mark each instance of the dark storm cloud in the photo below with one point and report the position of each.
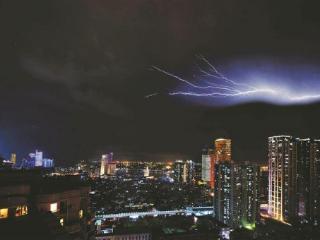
(83, 86)
(74, 73)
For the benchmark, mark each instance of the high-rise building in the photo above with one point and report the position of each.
(13, 159)
(223, 181)
(281, 170)
(47, 163)
(146, 172)
(188, 171)
(294, 179)
(249, 197)
(222, 149)
(106, 159)
(306, 182)
(207, 168)
(221, 153)
(222, 192)
(263, 184)
(236, 195)
(111, 168)
(198, 171)
(240, 201)
(37, 156)
(37, 160)
(178, 170)
(236, 198)
(301, 177)
(184, 171)
(315, 182)
(103, 165)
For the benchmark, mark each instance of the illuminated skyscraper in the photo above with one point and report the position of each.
(301, 177)
(223, 181)
(294, 179)
(111, 168)
(306, 179)
(236, 195)
(315, 182)
(222, 149)
(188, 171)
(207, 168)
(198, 171)
(106, 159)
(47, 163)
(236, 198)
(184, 171)
(103, 165)
(263, 185)
(178, 170)
(249, 200)
(13, 158)
(37, 160)
(222, 192)
(37, 156)
(146, 172)
(281, 175)
(245, 197)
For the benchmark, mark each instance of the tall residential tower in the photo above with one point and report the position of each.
(223, 181)
(281, 170)
(294, 179)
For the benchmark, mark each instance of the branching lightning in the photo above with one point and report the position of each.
(151, 95)
(214, 86)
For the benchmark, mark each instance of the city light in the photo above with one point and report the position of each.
(3, 212)
(249, 226)
(53, 207)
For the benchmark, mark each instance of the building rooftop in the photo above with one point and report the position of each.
(38, 183)
(35, 226)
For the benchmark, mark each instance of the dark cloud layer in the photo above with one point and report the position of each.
(74, 74)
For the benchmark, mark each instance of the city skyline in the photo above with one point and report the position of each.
(235, 196)
(165, 157)
(160, 119)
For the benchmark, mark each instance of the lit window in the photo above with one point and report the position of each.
(3, 212)
(81, 213)
(21, 211)
(61, 221)
(54, 207)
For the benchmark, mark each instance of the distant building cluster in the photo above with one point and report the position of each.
(33, 160)
(36, 160)
(184, 171)
(108, 166)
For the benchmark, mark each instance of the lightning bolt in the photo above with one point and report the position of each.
(151, 95)
(214, 84)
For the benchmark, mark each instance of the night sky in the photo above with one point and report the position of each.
(74, 75)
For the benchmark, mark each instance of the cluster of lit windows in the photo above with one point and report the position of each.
(4, 212)
(128, 237)
(21, 211)
(81, 214)
(18, 211)
(54, 207)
